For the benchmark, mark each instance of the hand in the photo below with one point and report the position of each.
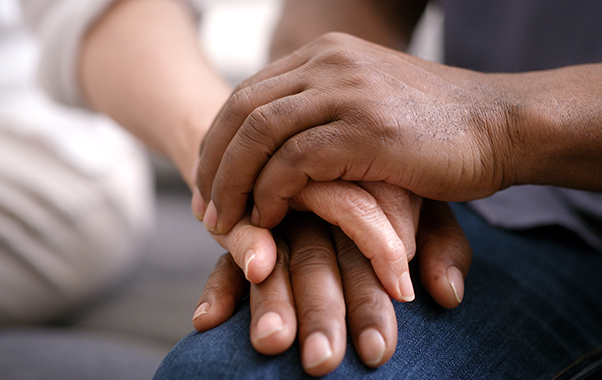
(321, 287)
(382, 219)
(343, 108)
(310, 271)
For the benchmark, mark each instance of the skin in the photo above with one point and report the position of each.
(297, 287)
(140, 63)
(440, 132)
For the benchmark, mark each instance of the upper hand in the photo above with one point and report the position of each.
(343, 108)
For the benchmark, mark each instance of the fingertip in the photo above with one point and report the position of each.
(210, 218)
(249, 257)
(271, 215)
(255, 217)
(258, 264)
(406, 289)
(197, 204)
(201, 310)
(271, 335)
(446, 288)
(316, 351)
(398, 286)
(269, 324)
(455, 279)
(198, 318)
(371, 347)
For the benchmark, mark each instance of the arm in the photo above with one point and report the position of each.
(141, 64)
(139, 61)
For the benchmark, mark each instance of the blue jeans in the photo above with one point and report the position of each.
(532, 310)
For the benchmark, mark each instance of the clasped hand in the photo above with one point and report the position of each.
(341, 128)
(321, 285)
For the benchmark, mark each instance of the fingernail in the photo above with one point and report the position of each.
(198, 204)
(316, 350)
(406, 288)
(372, 346)
(255, 216)
(249, 256)
(210, 218)
(456, 282)
(201, 310)
(269, 323)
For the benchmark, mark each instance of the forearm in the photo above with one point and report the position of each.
(385, 22)
(141, 64)
(555, 126)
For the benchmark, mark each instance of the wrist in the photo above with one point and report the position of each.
(553, 123)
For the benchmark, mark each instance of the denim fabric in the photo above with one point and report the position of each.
(532, 310)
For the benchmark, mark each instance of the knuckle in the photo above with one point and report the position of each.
(256, 129)
(313, 316)
(309, 256)
(333, 38)
(341, 57)
(365, 302)
(260, 125)
(347, 250)
(358, 202)
(219, 280)
(282, 257)
(238, 104)
(292, 152)
(451, 239)
(226, 263)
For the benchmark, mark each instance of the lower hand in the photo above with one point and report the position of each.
(324, 282)
(380, 218)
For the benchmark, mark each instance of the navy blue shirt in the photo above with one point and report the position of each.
(522, 35)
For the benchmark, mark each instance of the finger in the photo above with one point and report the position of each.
(252, 248)
(261, 133)
(257, 119)
(348, 206)
(227, 123)
(370, 315)
(224, 289)
(323, 153)
(318, 291)
(273, 319)
(262, 88)
(445, 254)
(402, 208)
(265, 86)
